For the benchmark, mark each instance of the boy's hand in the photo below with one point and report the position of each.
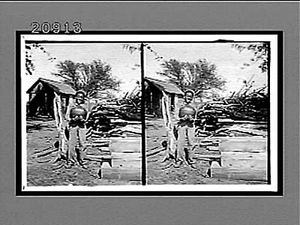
(191, 118)
(184, 118)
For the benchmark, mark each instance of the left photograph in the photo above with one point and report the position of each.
(81, 113)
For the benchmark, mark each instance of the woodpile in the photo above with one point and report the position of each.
(116, 117)
(249, 107)
(252, 107)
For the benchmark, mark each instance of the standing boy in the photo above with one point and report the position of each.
(186, 131)
(76, 116)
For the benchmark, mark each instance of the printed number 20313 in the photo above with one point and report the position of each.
(55, 28)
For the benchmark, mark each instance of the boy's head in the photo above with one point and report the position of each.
(79, 97)
(189, 96)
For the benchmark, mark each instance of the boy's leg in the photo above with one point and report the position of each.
(191, 143)
(82, 137)
(181, 143)
(82, 144)
(71, 156)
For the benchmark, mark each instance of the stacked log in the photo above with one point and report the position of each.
(247, 106)
(116, 117)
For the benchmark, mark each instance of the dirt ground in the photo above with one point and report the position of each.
(159, 172)
(44, 171)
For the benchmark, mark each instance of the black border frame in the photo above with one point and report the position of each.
(280, 186)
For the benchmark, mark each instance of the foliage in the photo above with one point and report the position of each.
(198, 76)
(131, 48)
(260, 54)
(28, 56)
(90, 77)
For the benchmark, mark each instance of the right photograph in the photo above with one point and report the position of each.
(207, 112)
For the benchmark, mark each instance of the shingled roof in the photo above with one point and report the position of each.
(164, 86)
(57, 86)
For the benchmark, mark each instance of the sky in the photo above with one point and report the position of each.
(228, 60)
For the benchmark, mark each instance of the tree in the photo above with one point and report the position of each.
(69, 71)
(100, 77)
(198, 76)
(89, 77)
(260, 54)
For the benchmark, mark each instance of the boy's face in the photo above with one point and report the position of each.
(188, 97)
(79, 98)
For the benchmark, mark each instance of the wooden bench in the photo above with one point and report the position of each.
(98, 151)
(116, 158)
(236, 158)
(243, 158)
(208, 150)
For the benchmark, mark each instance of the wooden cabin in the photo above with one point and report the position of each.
(42, 94)
(154, 92)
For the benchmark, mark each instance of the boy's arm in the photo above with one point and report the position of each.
(89, 110)
(67, 116)
(195, 116)
(88, 115)
(177, 118)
